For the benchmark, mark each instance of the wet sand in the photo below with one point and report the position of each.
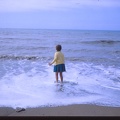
(70, 110)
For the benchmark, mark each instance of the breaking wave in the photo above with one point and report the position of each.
(102, 42)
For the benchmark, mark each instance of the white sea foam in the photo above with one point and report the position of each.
(83, 83)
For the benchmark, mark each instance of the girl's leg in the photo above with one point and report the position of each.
(61, 76)
(56, 75)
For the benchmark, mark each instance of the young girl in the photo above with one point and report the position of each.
(58, 61)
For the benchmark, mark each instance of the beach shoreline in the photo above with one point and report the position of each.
(70, 110)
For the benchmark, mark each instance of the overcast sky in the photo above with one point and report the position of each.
(60, 14)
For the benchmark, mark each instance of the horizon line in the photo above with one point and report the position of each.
(59, 29)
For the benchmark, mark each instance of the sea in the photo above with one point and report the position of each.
(92, 60)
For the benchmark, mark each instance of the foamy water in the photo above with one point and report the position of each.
(29, 86)
(92, 64)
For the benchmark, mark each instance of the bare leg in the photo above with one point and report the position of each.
(61, 76)
(56, 75)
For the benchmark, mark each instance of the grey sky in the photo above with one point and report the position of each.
(60, 14)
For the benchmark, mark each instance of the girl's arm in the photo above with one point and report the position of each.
(55, 58)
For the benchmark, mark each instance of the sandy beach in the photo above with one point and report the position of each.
(70, 110)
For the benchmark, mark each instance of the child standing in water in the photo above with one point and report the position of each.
(58, 61)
